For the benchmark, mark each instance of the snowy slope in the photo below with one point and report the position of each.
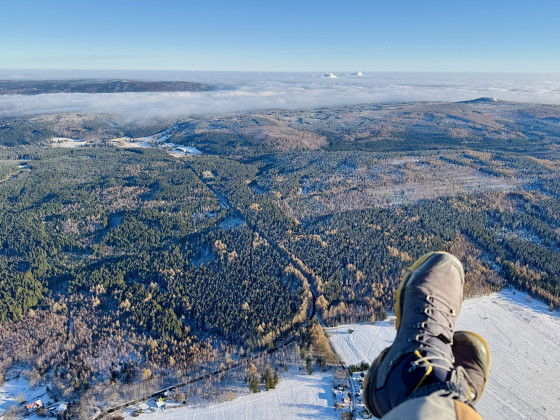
(364, 343)
(302, 396)
(13, 388)
(524, 340)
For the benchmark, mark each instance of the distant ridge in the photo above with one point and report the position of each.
(484, 99)
(37, 87)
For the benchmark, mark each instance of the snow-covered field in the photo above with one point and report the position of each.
(365, 341)
(66, 142)
(158, 141)
(524, 341)
(300, 396)
(12, 389)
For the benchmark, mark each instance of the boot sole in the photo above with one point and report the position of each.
(369, 385)
(486, 366)
(421, 266)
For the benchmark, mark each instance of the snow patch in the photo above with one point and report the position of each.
(12, 389)
(66, 142)
(182, 151)
(158, 141)
(302, 396)
(364, 343)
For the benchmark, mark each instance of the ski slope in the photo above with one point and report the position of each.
(524, 341)
(301, 396)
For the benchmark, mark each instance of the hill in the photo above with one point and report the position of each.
(37, 87)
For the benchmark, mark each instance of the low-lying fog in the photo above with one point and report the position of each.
(239, 91)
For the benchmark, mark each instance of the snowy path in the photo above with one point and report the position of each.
(301, 396)
(524, 340)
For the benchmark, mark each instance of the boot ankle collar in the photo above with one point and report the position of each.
(446, 389)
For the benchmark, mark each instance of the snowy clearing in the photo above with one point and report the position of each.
(300, 396)
(158, 141)
(127, 142)
(182, 151)
(364, 343)
(524, 340)
(66, 142)
(11, 391)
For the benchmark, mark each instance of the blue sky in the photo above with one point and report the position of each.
(319, 36)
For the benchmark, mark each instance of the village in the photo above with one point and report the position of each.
(348, 394)
(18, 399)
(158, 404)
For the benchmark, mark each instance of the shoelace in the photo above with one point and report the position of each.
(422, 339)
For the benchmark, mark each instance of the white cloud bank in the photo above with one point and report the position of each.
(253, 91)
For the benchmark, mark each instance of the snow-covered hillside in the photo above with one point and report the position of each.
(301, 396)
(524, 340)
(15, 388)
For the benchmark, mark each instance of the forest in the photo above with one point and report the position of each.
(122, 264)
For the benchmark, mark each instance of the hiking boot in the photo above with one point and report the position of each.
(472, 353)
(428, 302)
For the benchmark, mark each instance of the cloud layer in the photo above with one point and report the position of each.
(254, 91)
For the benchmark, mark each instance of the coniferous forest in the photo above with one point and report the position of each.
(117, 261)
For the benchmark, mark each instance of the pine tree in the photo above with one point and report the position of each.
(267, 379)
(254, 384)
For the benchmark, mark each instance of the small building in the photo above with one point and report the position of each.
(143, 407)
(34, 406)
(62, 411)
